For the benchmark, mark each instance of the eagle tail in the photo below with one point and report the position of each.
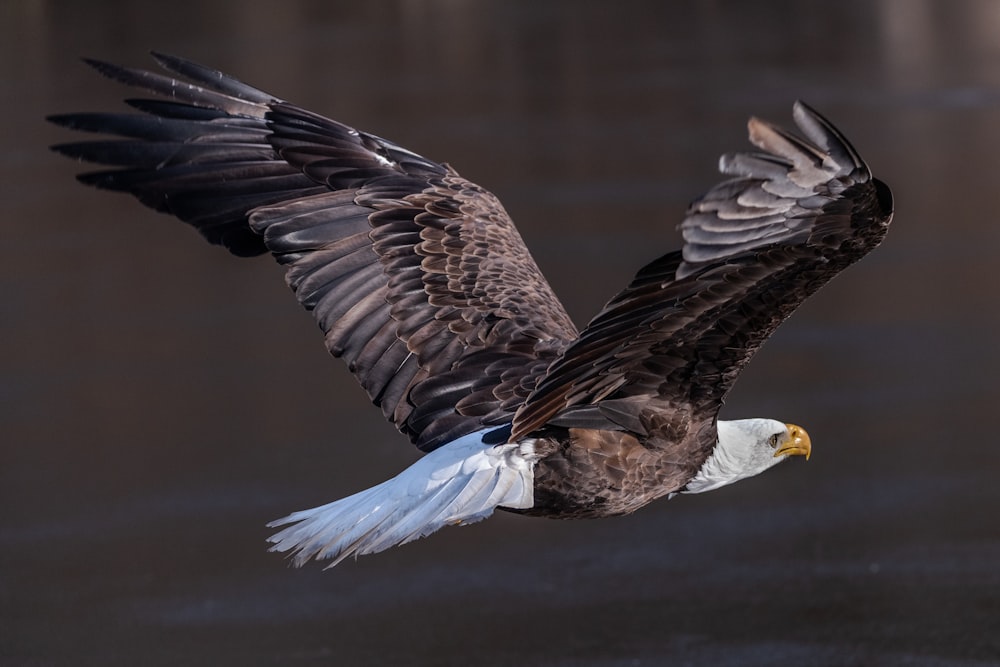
(458, 483)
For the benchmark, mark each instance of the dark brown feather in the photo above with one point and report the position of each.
(418, 277)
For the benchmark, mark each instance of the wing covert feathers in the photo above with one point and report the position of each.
(417, 276)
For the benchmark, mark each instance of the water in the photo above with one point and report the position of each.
(161, 401)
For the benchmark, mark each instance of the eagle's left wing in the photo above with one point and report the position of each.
(756, 246)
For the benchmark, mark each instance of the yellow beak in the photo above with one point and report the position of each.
(798, 442)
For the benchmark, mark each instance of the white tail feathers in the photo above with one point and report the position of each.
(458, 483)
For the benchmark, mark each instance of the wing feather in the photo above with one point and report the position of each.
(414, 274)
(675, 339)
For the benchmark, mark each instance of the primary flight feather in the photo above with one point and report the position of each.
(423, 286)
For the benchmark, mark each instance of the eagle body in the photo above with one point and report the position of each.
(422, 285)
(590, 473)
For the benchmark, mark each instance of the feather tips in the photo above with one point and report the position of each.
(775, 194)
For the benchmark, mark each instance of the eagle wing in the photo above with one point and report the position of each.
(669, 347)
(417, 277)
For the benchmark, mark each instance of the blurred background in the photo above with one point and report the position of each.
(160, 401)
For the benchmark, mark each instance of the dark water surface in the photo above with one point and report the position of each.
(160, 400)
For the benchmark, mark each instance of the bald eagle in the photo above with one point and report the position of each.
(422, 285)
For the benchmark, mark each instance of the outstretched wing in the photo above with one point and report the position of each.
(755, 247)
(418, 277)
